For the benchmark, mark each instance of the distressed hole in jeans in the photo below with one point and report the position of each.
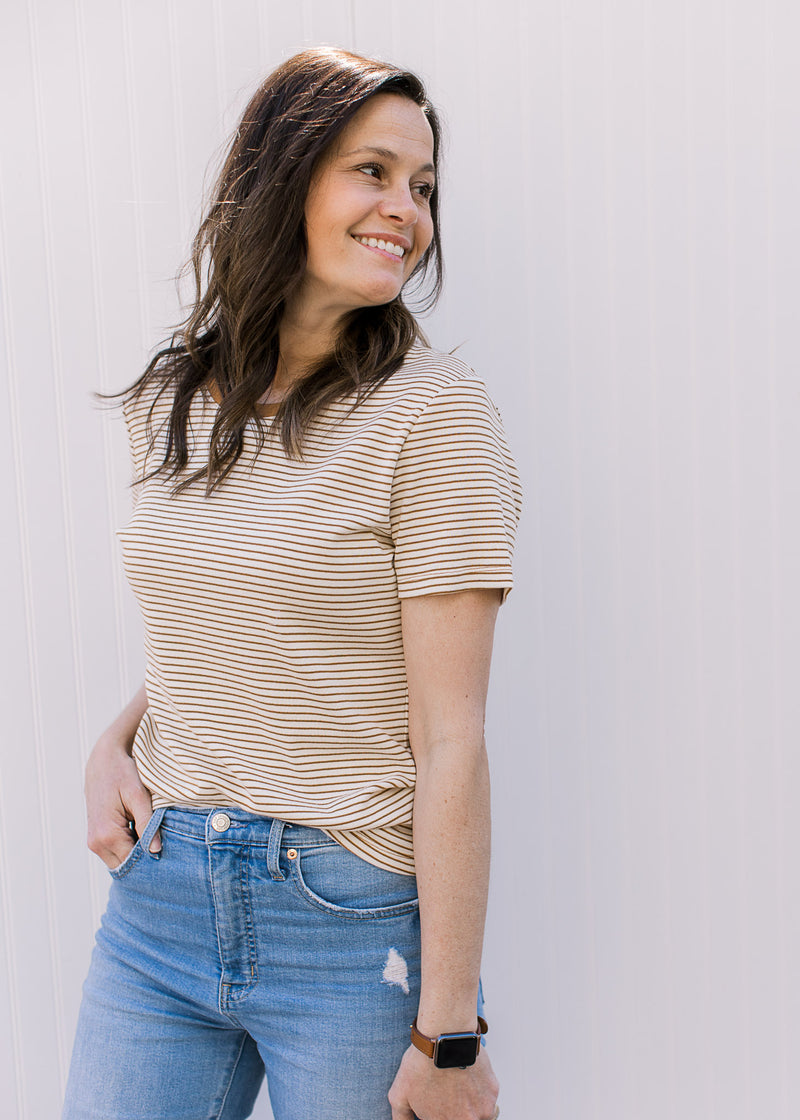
(396, 971)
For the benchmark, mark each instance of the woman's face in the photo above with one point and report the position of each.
(368, 214)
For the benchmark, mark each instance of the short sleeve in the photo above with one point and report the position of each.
(456, 497)
(133, 449)
(136, 409)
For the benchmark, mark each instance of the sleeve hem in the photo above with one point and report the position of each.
(501, 583)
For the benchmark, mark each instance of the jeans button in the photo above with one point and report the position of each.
(220, 822)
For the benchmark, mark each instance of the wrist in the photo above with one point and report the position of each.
(447, 1024)
(451, 1049)
(115, 741)
(446, 1018)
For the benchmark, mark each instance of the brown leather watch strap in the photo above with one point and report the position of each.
(428, 1045)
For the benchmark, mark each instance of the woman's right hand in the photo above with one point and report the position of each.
(115, 794)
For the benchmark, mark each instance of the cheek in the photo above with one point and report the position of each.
(424, 234)
(321, 241)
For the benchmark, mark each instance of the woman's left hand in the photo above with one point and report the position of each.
(421, 1090)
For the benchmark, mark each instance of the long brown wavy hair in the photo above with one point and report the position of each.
(249, 256)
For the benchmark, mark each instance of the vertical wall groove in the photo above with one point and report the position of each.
(9, 925)
(574, 498)
(779, 731)
(627, 1089)
(653, 375)
(697, 599)
(98, 310)
(44, 805)
(735, 446)
(138, 200)
(89, 142)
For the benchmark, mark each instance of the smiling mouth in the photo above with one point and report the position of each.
(396, 251)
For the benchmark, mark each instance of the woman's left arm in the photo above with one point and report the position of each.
(447, 641)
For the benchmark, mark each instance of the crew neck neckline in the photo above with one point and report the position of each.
(265, 410)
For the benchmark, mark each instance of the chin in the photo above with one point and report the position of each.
(379, 294)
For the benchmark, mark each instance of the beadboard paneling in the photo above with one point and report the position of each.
(622, 242)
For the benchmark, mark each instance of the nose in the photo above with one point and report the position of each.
(398, 203)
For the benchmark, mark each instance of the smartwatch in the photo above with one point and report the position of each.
(451, 1051)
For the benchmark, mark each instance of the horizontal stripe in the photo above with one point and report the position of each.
(275, 675)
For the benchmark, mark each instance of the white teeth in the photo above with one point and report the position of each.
(379, 243)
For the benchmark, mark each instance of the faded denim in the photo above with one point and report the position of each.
(247, 946)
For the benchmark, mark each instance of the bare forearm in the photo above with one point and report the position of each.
(451, 844)
(122, 730)
(115, 795)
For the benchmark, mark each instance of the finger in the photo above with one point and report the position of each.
(110, 836)
(402, 1111)
(139, 805)
(116, 849)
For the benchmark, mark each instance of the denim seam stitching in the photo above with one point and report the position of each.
(128, 864)
(232, 1075)
(238, 991)
(351, 913)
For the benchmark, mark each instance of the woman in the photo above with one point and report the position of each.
(295, 812)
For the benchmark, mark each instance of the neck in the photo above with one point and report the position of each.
(306, 336)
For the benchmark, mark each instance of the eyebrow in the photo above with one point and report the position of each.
(385, 153)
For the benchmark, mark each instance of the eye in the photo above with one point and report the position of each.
(425, 190)
(372, 169)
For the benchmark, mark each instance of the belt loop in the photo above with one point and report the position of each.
(151, 828)
(274, 850)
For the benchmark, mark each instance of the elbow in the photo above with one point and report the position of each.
(459, 756)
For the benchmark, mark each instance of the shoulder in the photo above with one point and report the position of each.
(450, 421)
(431, 381)
(429, 372)
(147, 409)
(144, 402)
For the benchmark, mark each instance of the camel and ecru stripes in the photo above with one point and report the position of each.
(275, 674)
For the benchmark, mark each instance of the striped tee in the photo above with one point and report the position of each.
(275, 673)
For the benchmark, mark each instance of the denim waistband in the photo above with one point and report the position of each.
(225, 824)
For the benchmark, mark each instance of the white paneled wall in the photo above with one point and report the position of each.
(622, 240)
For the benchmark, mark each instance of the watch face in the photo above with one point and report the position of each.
(455, 1051)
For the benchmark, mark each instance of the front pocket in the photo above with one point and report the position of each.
(333, 879)
(130, 861)
(140, 847)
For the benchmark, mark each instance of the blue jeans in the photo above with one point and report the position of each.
(251, 944)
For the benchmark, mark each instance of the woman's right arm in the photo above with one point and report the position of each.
(114, 792)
